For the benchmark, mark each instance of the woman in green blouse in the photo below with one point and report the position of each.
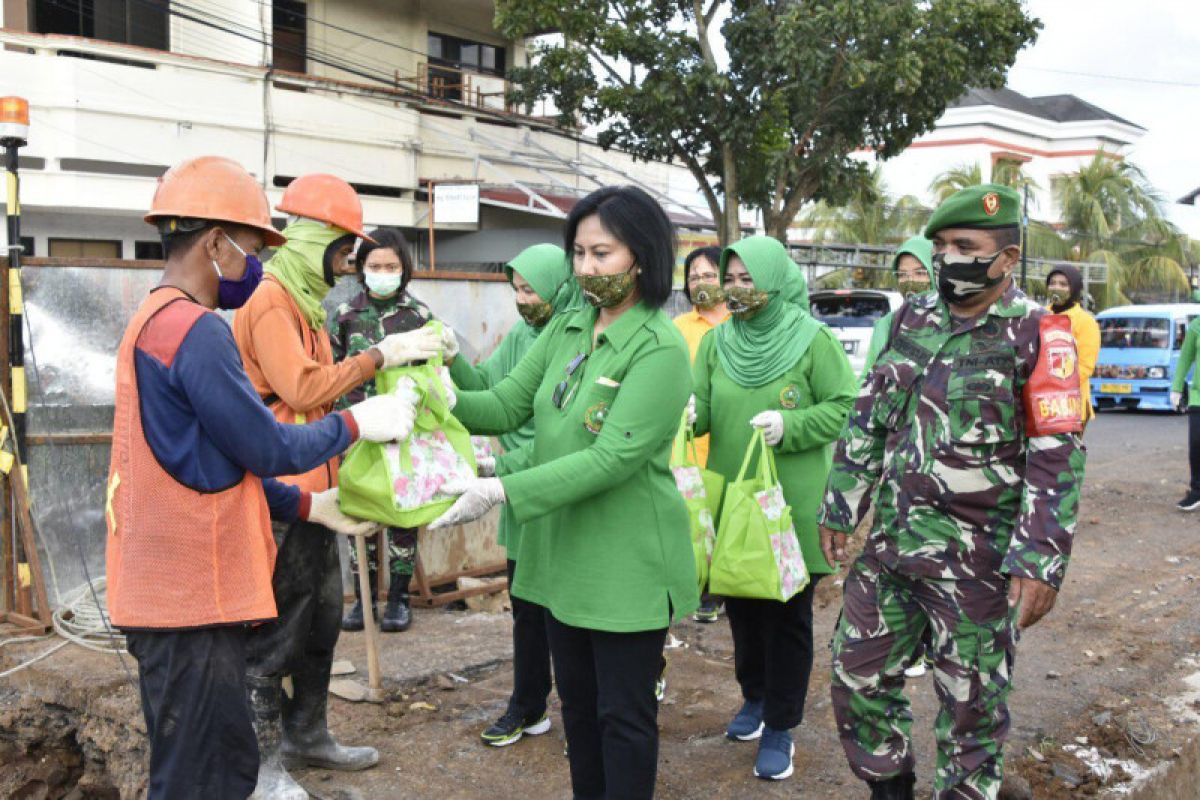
(544, 287)
(772, 366)
(605, 544)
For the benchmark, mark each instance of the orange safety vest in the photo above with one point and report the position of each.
(177, 557)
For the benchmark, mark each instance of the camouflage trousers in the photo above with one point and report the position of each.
(972, 637)
(402, 552)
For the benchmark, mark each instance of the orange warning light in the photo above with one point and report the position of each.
(14, 110)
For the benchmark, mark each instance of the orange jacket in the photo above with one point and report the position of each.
(291, 367)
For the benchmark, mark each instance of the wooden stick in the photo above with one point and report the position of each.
(374, 681)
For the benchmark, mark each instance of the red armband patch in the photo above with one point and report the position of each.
(1053, 402)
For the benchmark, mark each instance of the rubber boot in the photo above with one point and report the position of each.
(397, 616)
(899, 787)
(306, 737)
(274, 782)
(353, 621)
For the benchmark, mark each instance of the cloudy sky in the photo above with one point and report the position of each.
(1141, 61)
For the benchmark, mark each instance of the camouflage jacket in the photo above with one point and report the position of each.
(936, 442)
(363, 321)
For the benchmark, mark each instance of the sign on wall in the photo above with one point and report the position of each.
(456, 203)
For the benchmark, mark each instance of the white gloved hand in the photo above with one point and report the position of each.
(399, 349)
(448, 384)
(323, 510)
(771, 423)
(449, 343)
(691, 411)
(486, 467)
(1176, 400)
(385, 417)
(476, 498)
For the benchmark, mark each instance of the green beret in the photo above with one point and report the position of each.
(988, 205)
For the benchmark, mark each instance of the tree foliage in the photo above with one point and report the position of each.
(766, 111)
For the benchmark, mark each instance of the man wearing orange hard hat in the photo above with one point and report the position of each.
(286, 349)
(191, 492)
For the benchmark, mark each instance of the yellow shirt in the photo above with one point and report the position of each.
(693, 327)
(1087, 346)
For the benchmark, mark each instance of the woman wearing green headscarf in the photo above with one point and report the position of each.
(913, 265)
(772, 366)
(544, 286)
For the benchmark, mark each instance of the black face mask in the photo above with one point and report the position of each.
(961, 279)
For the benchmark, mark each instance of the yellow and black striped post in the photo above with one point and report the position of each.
(14, 132)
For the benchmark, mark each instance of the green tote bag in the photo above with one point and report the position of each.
(694, 484)
(399, 483)
(757, 553)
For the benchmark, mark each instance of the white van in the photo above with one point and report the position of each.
(852, 314)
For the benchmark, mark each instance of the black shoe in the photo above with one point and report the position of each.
(1190, 501)
(398, 614)
(899, 787)
(353, 621)
(511, 727)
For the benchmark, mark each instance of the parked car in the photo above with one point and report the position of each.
(852, 313)
(1139, 353)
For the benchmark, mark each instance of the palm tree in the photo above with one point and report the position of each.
(1005, 171)
(1111, 213)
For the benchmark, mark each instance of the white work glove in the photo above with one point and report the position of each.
(449, 343)
(1176, 400)
(399, 349)
(386, 417)
(476, 498)
(771, 423)
(486, 467)
(691, 411)
(448, 384)
(323, 510)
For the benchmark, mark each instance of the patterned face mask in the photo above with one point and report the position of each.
(535, 314)
(607, 291)
(960, 278)
(707, 295)
(908, 288)
(744, 302)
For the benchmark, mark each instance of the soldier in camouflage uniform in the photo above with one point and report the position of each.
(382, 307)
(975, 497)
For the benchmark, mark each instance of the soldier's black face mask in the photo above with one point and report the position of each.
(961, 278)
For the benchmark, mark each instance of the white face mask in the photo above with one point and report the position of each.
(383, 283)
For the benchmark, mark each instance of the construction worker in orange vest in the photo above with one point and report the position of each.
(190, 492)
(281, 335)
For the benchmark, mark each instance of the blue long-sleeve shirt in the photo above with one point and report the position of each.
(206, 425)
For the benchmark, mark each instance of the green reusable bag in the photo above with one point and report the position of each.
(399, 483)
(694, 487)
(757, 553)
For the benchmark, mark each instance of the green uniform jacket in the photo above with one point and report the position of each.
(485, 375)
(1188, 358)
(605, 543)
(814, 397)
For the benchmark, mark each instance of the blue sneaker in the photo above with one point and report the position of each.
(775, 753)
(747, 724)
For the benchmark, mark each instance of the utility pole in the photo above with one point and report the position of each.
(1024, 237)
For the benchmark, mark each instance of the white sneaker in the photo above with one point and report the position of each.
(917, 670)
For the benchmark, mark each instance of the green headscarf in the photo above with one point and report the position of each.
(548, 272)
(300, 266)
(921, 249)
(754, 352)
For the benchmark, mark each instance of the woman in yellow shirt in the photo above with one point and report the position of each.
(1064, 287)
(702, 285)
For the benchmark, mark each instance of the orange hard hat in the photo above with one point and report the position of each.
(215, 188)
(325, 198)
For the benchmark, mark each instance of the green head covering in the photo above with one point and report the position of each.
(755, 351)
(986, 205)
(300, 266)
(919, 248)
(546, 268)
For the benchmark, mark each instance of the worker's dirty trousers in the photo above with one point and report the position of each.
(193, 687)
(973, 637)
(308, 595)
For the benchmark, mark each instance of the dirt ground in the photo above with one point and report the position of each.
(1107, 670)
